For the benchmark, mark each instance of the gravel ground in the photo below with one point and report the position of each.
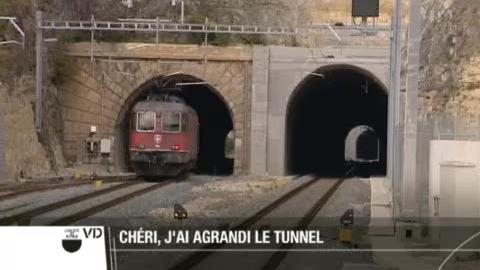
(208, 201)
(213, 201)
(136, 211)
(353, 193)
(232, 197)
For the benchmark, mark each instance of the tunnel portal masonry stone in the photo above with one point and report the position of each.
(278, 73)
(98, 92)
(256, 85)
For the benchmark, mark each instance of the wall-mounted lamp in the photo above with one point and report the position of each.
(321, 75)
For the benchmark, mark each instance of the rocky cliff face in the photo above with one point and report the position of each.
(246, 12)
(450, 58)
(23, 149)
(271, 12)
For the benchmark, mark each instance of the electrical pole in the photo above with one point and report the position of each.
(395, 159)
(410, 201)
(182, 9)
(39, 72)
(182, 12)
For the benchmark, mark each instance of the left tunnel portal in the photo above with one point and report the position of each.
(215, 121)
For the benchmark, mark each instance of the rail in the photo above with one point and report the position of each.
(70, 219)
(31, 187)
(25, 218)
(196, 258)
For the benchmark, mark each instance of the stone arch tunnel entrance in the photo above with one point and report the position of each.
(215, 119)
(321, 112)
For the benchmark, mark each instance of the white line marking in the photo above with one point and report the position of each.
(457, 249)
(115, 253)
(294, 250)
(110, 246)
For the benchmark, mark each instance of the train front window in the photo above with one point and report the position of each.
(146, 121)
(171, 122)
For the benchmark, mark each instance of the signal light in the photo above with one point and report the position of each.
(179, 212)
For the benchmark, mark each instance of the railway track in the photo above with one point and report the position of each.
(25, 218)
(12, 192)
(273, 262)
(98, 208)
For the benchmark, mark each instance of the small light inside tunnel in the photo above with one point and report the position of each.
(191, 83)
(141, 146)
(176, 147)
(321, 75)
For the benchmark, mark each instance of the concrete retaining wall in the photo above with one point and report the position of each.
(3, 173)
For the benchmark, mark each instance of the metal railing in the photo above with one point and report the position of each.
(154, 26)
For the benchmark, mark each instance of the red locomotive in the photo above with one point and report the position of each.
(163, 136)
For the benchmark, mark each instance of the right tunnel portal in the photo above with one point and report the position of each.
(327, 106)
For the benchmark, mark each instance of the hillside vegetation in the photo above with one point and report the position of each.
(450, 58)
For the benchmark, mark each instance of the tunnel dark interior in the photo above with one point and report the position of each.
(367, 145)
(323, 109)
(215, 124)
(214, 119)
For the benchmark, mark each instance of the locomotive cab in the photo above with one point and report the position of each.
(163, 137)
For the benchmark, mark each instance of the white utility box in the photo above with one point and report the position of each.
(459, 194)
(105, 146)
(454, 184)
(454, 192)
